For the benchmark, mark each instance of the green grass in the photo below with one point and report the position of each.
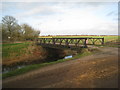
(36, 66)
(13, 50)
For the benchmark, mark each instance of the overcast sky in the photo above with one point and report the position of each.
(66, 18)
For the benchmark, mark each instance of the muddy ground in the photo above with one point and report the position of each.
(95, 71)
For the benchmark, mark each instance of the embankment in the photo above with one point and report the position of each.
(33, 57)
(16, 55)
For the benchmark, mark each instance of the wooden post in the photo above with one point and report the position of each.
(85, 43)
(102, 41)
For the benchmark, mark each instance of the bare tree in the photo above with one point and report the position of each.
(12, 31)
(29, 33)
(10, 27)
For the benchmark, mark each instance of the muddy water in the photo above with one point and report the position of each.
(8, 69)
(53, 54)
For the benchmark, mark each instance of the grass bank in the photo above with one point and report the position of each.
(84, 52)
(16, 53)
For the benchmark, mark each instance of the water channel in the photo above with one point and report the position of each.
(8, 69)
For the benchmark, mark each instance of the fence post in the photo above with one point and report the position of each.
(102, 41)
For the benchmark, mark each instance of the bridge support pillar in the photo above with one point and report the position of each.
(85, 43)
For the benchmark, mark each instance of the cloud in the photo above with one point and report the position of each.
(78, 22)
(67, 17)
(110, 13)
(61, 0)
(41, 10)
(45, 8)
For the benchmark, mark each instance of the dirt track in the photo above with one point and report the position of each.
(95, 71)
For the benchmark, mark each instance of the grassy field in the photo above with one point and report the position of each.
(14, 50)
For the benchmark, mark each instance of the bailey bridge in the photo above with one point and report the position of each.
(69, 42)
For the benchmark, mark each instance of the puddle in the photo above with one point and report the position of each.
(66, 57)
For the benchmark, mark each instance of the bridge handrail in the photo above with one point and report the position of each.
(72, 38)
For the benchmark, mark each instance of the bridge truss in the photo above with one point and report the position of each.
(70, 41)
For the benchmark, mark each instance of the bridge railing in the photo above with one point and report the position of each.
(71, 41)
